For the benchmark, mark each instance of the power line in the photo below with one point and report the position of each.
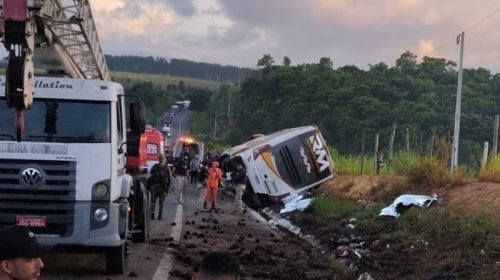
(467, 29)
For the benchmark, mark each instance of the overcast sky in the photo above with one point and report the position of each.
(358, 32)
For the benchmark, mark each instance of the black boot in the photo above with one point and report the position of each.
(152, 215)
(159, 216)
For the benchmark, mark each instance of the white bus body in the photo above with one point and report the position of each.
(285, 162)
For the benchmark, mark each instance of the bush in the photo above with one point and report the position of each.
(424, 171)
(452, 227)
(491, 172)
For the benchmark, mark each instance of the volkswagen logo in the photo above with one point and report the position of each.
(31, 177)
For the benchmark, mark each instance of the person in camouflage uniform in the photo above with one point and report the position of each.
(160, 179)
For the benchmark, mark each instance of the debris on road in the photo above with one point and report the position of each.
(406, 201)
(295, 202)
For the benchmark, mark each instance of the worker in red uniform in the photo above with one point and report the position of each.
(214, 175)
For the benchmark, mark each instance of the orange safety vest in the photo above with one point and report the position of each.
(214, 175)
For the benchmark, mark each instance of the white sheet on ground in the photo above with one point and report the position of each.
(295, 202)
(406, 200)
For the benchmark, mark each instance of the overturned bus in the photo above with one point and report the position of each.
(282, 163)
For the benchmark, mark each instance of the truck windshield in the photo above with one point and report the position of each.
(56, 120)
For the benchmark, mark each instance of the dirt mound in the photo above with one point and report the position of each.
(359, 187)
(470, 195)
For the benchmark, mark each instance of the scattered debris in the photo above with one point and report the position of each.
(403, 202)
(295, 202)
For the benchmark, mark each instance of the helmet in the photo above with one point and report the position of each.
(215, 164)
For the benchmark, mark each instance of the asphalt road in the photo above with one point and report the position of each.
(146, 258)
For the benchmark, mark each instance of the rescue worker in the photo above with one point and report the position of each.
(218, 266)
(160, 180)
(202, 184)
(181, 177)
(20, 254)
(194, 166)
(214, 176)
(239, 179)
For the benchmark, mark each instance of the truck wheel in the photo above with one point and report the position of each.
(144, 225)
(116, 259)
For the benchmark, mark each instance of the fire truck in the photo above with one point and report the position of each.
(63, 154)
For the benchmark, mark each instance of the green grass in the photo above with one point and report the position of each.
(491, 172)
(128, 79)
(453, 227)
(447, 227)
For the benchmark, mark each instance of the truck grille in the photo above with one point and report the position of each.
(52, 197)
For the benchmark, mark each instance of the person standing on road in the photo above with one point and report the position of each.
(194, 166)
(218, 266)
(202, 184)
(214, 177)
(239, 179)
(181, 176)
(160, 180)
(20, 254)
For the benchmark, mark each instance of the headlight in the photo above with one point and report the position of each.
(100, 190)
(100, 214)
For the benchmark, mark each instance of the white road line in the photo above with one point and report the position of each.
(165, 266)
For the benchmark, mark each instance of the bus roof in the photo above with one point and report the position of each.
(269, 139)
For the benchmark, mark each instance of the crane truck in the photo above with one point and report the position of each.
(63, 154)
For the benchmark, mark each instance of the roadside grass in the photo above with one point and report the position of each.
(453, 227)
(445, 227)
(491, 172)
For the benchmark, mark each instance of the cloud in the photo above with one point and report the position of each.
(182, 7)
(358, 32)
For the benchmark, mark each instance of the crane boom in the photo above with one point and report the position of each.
(62, 32)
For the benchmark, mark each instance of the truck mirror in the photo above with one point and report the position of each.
(137, 117)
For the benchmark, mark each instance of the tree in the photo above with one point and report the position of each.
(286, 61)
(326, 62)
(266, 61)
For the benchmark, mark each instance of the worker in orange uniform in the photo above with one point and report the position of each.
(214, 175)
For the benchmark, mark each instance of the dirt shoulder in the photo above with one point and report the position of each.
(263, 251)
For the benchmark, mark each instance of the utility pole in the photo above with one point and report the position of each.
(495, 136)
(458, 105)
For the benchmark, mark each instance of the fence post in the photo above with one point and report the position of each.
(363, 153)
(391, 143)
(485, 155)
(375, 155)
(495, 135)
(407, 140)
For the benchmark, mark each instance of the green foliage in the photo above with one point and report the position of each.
(491, 172)
(162, 82)
(335, 210)
(344, 102)
(452, 227)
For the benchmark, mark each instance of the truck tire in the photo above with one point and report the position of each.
(116, 259)
(144, 225)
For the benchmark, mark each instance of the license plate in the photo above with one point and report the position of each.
(32, 221)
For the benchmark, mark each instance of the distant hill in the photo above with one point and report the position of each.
(177, 67)
(128, 79)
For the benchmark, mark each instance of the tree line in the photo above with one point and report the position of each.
(177, 67)
(419, 97)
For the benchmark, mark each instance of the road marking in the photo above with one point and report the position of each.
(165, 266)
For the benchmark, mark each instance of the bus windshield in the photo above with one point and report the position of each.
(303, 160)
(62, 121)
